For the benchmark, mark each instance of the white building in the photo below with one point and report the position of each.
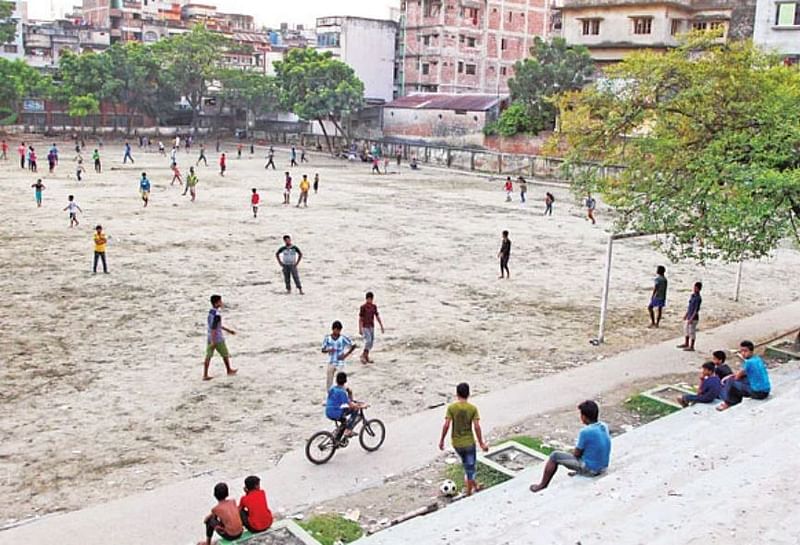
(16, 49)
(367, 46)
(777, 27)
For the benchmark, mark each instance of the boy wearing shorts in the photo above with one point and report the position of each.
(254, 200)
(658, 299)
(464, 417)
(338, 347)
(367, 315)
(216, 338)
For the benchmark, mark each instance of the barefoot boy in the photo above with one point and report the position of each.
(216, 338)
(224, 517)
(254, 200)
(73, 209)
(144, 189)
(658, 299)
(38, 187)
(464, 416)
(367, 315)
(253, 506)
(338, 347)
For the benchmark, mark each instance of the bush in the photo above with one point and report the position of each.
(329, 528)
(515, 120)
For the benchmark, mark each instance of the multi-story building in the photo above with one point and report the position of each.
(611, 29)
(467, 46)
(15, 49)
(367, 46)
(777, 28)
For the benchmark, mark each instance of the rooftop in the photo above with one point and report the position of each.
(441, 101)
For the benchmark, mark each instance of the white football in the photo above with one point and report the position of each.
(448, 488)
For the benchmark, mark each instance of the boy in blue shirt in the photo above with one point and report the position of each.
(752, 380)
(710, 387)
(144, 189)
(340, 405)
(591, 454)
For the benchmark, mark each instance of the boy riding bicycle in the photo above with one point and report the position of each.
(340, 405)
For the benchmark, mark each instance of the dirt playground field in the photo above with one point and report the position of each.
(101, 374)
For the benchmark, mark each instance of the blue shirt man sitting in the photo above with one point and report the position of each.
(591, 454)
(752, 380)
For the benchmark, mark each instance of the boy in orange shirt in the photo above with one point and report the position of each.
(253, 506)
(254, 200)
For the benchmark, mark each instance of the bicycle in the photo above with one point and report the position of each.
(321, 446)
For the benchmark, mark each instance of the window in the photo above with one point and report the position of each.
(471, 42)
(426, 40)
(676, 26)
(460, 67)
(432, 8)
(461, 38)
(591, 27)
(642, 25)
(510, 16)
(9, 48)
(470, 14)
(461, 112)
(503, 44)
(426, 68)
(788, 14)
(502, 70)
(471, 69)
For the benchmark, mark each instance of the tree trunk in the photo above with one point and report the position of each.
(339, 128)
(327, 138)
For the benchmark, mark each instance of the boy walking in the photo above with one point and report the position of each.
(591, 205)
(287, 188)
(38, 187)
(591, 454)
(96, 158)
(21, 151)
(73, 209)
(509, 188)
(303, 155)
(127, 154)
(658, 299)
(224, 518)
(549, 199)
(191, 183)
(463, 416)
(100, 241)
(222, 164)
(202, 156)
(216, 338)
(338, 347)
(293, 157)
(254, 200)
(289, 257)
(523, 190)
(691, 318)
(709, 390)
(176, 175)
(144, 189)
(316, 183)
(270, 158)
(504, 254)
(367, 315)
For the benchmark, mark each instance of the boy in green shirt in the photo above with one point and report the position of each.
(464, 416)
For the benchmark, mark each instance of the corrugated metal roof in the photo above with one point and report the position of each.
(439, 101)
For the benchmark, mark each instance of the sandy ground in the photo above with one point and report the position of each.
(101, 386)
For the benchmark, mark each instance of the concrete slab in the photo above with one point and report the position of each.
(177, 510)
(511, 458)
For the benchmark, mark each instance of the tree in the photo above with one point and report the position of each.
(81, 106)
(8, 26)
(19, 81)
(709, 137)
(553, 68)
(256, 93)
(315, 86)
(189, 63)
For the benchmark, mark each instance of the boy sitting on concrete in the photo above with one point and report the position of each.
(224, 517)
(253, 506)
(709, 390)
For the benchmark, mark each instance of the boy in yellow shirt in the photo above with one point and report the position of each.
(100, 241)
(304, 187)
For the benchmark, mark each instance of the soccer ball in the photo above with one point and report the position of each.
(448, 488)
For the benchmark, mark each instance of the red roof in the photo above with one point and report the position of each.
(439, 101)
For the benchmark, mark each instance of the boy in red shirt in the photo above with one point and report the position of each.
(254, 200)
(222, 164)
(224, 517)
(367, 315)
(253, 507)
(509, 187)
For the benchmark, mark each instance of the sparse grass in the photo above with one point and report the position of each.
(486, 476)
(534, 443)
(329, 528)
(649, 408)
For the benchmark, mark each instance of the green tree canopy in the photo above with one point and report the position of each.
(18, 81)
(8, 26)
(315, 86)
(709, 135)
(189, 63)
(81, 106)
(553, 68)
(82, 74)
(255, 92)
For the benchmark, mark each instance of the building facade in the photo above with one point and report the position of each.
(367, 46)
(777, 28)
(16, 49)
(611, 29)
(467, 46)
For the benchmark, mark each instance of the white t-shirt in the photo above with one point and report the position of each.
(72, 207)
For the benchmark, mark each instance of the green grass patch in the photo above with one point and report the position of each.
(649, 408)
(486, 476)
(329, 528)
(534, 443)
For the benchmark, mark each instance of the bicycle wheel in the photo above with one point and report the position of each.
(320, 448)
(373, 432)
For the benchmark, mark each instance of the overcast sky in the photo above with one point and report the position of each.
(269, 12)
